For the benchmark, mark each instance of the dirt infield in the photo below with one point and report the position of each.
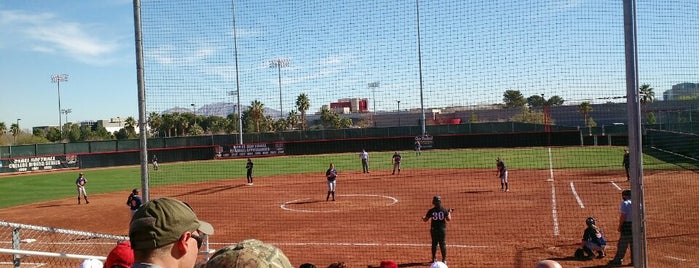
(377, 215)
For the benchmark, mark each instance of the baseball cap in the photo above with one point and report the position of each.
(91, 263)
(121, 255)
(249, 253)
(162, 221)
(438, 264)
(388, 264)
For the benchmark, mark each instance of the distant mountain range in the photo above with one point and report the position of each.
(221, 109)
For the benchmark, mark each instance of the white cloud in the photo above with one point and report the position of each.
(47, 33)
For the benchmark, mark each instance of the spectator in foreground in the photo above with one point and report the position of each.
(249, 253)
(165, 232)
(121, 256)
(91, 263)
(438, 264)
(548, 264)
(388, 264)
(337, 265)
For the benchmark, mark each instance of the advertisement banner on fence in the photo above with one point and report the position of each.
(251, 150)
(36, 163)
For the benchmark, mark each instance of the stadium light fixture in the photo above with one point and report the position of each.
(58, 78)
(66, 112)
(279, 64)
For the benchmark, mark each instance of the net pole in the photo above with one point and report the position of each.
(143, 136)
(638, 250)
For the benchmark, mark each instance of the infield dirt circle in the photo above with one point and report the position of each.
(377, 216)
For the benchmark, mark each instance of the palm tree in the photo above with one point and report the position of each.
(303, 104)
(513, 99)
(130, 126)
(155, 121)
(257, 113)
(14, 129)
(647, 95)
(3, 128)
(585, 108)
(293, 119)
(168, 124)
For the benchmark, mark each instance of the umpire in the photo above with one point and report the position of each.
(438, 229)
(625, 229)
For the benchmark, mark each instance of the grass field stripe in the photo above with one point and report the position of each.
(575, 193)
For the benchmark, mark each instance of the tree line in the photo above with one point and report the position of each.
(255, 121)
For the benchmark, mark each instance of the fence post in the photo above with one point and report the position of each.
(16, 258)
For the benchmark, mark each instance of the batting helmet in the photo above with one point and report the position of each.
(626, 193)
(590, 221)
(436, 200)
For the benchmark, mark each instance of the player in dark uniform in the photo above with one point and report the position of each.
(134, 201)
(155, 162)
(502, 174)
(248, 167)
(396, 163)
(438, 229)
(331, 176)
(626, 163)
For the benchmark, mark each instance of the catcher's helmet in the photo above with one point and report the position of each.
(590, 221)
(436, 200)
(134, 191)
(626, 193)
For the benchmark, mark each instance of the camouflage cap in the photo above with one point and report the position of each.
(249, 253)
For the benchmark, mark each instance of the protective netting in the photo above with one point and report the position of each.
(383, 63)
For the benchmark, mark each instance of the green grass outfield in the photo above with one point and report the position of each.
(23, 189)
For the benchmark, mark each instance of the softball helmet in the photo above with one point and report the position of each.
(436, 200)
(590, 221)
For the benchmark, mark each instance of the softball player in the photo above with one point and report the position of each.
(438, 228)
(80, 183)
(502, 174)
(331, 176)
(249, 167)
(396, 163)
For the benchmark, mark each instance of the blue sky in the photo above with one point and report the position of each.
(472, 51)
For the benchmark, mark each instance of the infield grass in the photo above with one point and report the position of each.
(30, 188)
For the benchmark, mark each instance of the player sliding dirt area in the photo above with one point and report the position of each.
(377, 216)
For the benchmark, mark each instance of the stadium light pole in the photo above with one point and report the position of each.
(194, 110)
(58, 78)
(419, 58)
(18, 131)
(66, 112)
(237, 76)
(373, 87)
(279, 64)
(398, 113)
(240, 123)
